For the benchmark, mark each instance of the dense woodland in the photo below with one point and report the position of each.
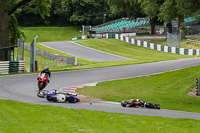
(14, 13)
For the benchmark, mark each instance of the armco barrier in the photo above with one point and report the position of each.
(11, 67)
(81, 37)
(158, 47)
(21, 68)
(67, 60)
(174, 50)
(4, 67)
(14, 67)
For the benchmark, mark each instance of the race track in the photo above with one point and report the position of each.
(82, 51)
(24, 87)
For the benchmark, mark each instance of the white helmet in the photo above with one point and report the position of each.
(61, 98)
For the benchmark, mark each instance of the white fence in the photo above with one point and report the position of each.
(7, 67)
(4, 67)
(21, 67)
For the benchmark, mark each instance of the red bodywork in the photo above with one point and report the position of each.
(42, 81)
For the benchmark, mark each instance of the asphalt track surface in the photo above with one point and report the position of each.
(82, 51)
(24, 87)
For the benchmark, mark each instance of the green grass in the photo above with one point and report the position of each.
(42, 62)
(128, 50)
(55, 66)
(170, 89)
(23, 117)
(80, 61)
(117, 47)
(50, 34)
(159, 41)
(141, 55)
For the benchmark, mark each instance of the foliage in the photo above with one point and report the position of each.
(117, 47)
(125, 8)
(69, 12)
(88, 11)
(15, 33)
(42, 6)
(28, 16)
(150, 7)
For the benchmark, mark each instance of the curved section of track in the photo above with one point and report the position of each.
(83, 52)
(24, 87)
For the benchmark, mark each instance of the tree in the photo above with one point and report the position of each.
(4, 26)
(151, 10)
(125, 8)
(168, 11)
(137, 8)
(172, 9)
(67, 12)
(187, 8)
(8, 7)
(88, 11)
(62, 9)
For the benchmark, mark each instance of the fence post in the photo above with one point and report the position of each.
(33, 55)
(198, 86)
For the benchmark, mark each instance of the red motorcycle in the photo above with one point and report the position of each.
(43, 81)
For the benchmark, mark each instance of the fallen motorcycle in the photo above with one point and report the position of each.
(139, 103)
(56, 96)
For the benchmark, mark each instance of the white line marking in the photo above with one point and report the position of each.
(102, 51)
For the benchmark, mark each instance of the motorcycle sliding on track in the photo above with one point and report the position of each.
(139, 103)
(53, 96)
(56, 96)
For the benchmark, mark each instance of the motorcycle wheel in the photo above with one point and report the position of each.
(123, 104)
(41, 86)
(42, 94)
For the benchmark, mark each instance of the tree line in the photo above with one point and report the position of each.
(87, 12)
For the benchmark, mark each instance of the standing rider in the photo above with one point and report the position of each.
(46, 70)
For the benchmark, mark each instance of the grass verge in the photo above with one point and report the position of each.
(141, 55)
(128, 50)
(170, 89)
(117, 47)
(22, 117)
(50, 34)
(42, 61)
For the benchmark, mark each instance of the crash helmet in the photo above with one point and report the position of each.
(61, 98)
(46, 69)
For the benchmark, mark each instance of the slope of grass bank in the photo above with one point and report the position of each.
(139, 54)
(170, 89)
(117, 47)
(42, 62)
(128, 50)
(50, 34)
(23, 117)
